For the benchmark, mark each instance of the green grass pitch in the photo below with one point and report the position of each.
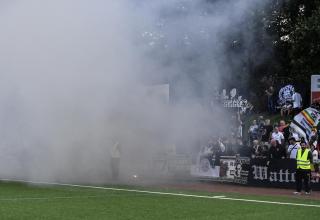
(23, 201)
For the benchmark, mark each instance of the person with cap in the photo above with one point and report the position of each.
(293, 147)
(303, 171)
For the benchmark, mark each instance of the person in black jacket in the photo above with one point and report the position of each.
(277, 151)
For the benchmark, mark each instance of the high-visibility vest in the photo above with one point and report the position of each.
(302, 160)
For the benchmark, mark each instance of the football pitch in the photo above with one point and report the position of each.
(63, 201)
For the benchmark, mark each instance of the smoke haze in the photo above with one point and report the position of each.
(74, 76)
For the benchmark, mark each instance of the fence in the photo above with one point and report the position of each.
(252, 172)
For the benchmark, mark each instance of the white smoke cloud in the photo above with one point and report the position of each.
(73, 76)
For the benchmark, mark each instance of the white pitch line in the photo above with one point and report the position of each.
(271, 202)
(49, 198)
(218, 197)
(63, 197)
(165, 193)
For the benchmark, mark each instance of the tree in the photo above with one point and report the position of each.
(293, 31)
(304, 51)
(294, 27)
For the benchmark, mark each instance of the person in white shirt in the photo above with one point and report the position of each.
(277, 135)
(293, 148)
(297, 103)
(316, 161)
(315, 156)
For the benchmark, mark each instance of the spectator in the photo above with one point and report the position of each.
(314, 150)
(284, 129)
(253, 131)
(265, 151)
(315, 157)
(314, 134)
(282, 125)
(239, 144)
(208, 149)
(256, 149)
(276, 150)
(315, 154)
(260, 121)
(224, 95)
(245, 150)
(266, 131)
(220, 152)
(236, 126)
(240, 124)
(293, 148)
(286, 103)
(278, 136)
(297, 103)
(286, 109)
(270, 97)
(260, 124)
(223, 142)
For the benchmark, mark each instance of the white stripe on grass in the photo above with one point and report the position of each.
(49, 198)
(166, 193)
(64, 197)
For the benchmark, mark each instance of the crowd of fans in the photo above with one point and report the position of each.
(278, 141)
(265, 139)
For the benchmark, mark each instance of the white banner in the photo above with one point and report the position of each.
(285, 94)
(315, 83)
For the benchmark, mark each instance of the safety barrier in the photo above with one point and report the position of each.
(251, 172)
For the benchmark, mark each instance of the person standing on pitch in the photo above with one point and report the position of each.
(115, 160)
(303, 171)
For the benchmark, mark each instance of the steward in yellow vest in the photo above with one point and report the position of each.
(303, 171)
(302, 159)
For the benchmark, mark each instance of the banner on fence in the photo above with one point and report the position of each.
(252, 172)
(278, 173)
(228, 169)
